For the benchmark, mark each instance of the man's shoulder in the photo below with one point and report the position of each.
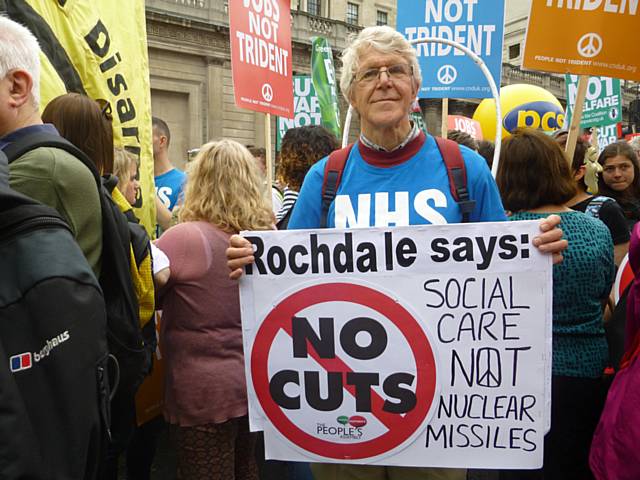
(175, 174)
(473, 160)
(50, 162)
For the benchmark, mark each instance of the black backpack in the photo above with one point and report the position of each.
(132, 351)
(54, 394)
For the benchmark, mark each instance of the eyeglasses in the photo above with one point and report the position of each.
(401, 71)
(105, 108)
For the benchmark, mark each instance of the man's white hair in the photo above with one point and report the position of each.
(382, 39)
(19, 50)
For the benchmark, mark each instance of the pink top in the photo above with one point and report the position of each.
(201, 335)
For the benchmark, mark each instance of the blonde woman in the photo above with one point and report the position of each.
(205, 393)
(125, 167)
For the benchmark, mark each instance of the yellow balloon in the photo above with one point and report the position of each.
(522, 106)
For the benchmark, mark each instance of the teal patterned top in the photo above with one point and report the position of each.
(580, 283)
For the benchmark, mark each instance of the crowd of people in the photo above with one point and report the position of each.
(587, 210)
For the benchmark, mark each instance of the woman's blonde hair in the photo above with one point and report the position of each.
(122, 160)
(224, 188)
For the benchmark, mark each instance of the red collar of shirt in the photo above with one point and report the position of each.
(390, 159)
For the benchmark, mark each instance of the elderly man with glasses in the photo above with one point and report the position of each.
(394, 176)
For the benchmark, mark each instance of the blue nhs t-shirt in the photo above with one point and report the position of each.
(169, 187)
(414, 190)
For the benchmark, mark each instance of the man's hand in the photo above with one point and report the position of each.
(239, 254)
(550, 240)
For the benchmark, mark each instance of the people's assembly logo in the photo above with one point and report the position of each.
(590, 45)
(337, 348)
(267, 92)
(447, 74)
(347, 428)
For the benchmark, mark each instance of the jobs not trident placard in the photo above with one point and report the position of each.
(414, 346)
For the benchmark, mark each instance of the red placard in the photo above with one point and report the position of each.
(260, 34)
(465, 124)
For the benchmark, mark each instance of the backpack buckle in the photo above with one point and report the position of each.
(467, 206)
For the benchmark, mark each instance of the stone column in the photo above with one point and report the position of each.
(215, 80)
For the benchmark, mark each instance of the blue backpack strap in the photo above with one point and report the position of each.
(332, 175)
(593, 207)
(457, 173)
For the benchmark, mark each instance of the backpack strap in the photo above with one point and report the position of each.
(457, 173)
(15, 150)
(595, 204)
(332, 176)
(4, 170)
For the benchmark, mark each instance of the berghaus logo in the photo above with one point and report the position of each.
(26, 360)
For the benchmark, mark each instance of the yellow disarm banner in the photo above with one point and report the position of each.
(99, 47)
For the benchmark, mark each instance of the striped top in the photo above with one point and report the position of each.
(289, 200)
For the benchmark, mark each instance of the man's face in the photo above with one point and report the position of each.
(383, 101)
(262, 164)
(155, 138)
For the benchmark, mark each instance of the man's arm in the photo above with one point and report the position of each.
(489, 206)
(163, 215)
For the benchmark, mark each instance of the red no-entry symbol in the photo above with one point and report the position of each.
(624, 277)
(399, 427)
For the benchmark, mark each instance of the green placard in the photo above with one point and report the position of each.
(602, 104)
(306, 107)
(324, 81)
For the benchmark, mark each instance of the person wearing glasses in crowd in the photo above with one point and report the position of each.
(393, 157)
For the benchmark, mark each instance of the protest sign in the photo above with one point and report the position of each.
(624, 277)
(150, 395)
(306, 108)
(99, 48)
(416, 116)
(606, 136)
(602, 105)
(446, 71)
(466, 125)
(324, 82)
(423, 346)
(260, 33)
(584, 38)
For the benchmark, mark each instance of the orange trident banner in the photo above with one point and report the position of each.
(589, 37)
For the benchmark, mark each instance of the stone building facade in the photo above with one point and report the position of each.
(190, 69)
